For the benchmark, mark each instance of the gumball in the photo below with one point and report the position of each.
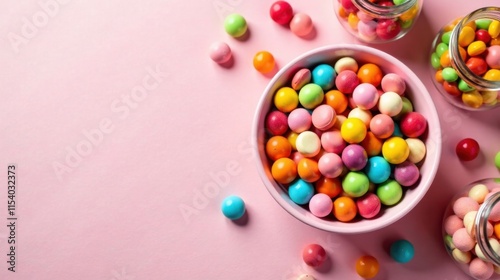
(367, 30)
(284, 170)
(263, 62)
(320, 205)
(389, 192)
(346, 81)
(388, 29)
(308, 170)
(353, 130)
(402, 251)
(344, 209)
(301, 78)
(406, 173)
(370, 73)
(235, 25)
(393, 82)
(365, 96)
(311, 95)
(301, 24)
(493, 57)
(330, 165)
(355, 184)
(329, 186)
(368, 205)
(299, 120)
(413, 124)
(278, 147)
(300, 191)
(276, 123)
(346, 63)
(323, 117)
(354, 157)
(337, 100)
(220, 52)
(308, 143)
(362, 114)
(377, 169)
(467, 149)
(367, 267)
(395, 150)
(324, 76)
(286, 99)
(233, 207)
(314, 255)
(332, 142)
(281, 12)
(417, 149)
(480, 269)
(390, 103)
(382, 126)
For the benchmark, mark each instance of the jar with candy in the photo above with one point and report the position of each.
(465, 60)
(471, 229)
(378, 21)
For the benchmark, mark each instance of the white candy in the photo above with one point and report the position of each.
(364, 115)
(469, 221)
(417, 149)
(478, 192)
(306, 277)
(390, 103)
(308, 143)
(459, 256)
(346, 63)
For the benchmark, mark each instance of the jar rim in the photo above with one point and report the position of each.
(481, 226)
(383, 11)
(463, 71)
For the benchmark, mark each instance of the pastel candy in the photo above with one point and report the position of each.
(462, 240)
(301, 78)
(463, 205)
(452, 224)
(459, 256)
(480, 269)
(308, 143)
(323, 117)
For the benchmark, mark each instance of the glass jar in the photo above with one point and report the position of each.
(471, 229)
(465, 60)
(374, 21)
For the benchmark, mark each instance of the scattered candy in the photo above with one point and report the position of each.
(233, 207)
(367, 267)
(263, 62)
(306, 277)
(301, 24)
(281, 12)
(314, 255)
(402, 251)
(235, 25)
(220, 52)
(467, 149)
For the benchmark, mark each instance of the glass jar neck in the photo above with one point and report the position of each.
(481, 228)
(460, 66)
(383, 11)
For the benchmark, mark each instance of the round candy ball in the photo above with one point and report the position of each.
(377, 169)
(382, 126)
(278, 147)
(308, 143)
(324, 76)
(354, 157)
(402, 251)
(388, 29)
(220, 52)
(353, 130)
(235, 25)
(389, 192)
(395, 150)
(390, 103)
(286, 99)
(368, 205)
(406, 173)
(314, 255)
(301, 78)
(299, 120)
(367, 267)
(263, 62)
(467, 149)
(355, 184)
(323, 117)
(284, 170)
(413, 124)
(301, 24)
(344, 209)
(346, 63)
(311, 95)
(277, 123)
(393, 82)
(346, 81)
(330, 165)
(332, 142)
(365, 96)
(233, 207)
(281, 12)
(300, 191)
(320, 205)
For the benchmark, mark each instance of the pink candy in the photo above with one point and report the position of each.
(464, 205)
(299, 120)
(323, 117)
(330, 165)
(346, 81)
(320, 205)
(365, 96)
(368, 205)
(463, 241)
(452, 224)
(333, 142)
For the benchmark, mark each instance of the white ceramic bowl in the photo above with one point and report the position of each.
(415, 91)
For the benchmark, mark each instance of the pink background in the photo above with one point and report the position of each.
(115, 213)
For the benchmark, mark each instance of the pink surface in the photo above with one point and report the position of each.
(115, 212)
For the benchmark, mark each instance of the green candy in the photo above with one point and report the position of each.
(441, 48)
(311, 95)
(399, 2)
(355, 184)
(406, 24)
(435, 61)
(446, 37)
(449, 74)
(483, 23)
(497, 160)
(464, 87)
(407, 106)
(235, 25)
(389, 192)
(448, 241)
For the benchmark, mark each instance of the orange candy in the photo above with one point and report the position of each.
(344, 209)
(308, 170)
(370, 73)
(337, 100)
(284, 170)
(371, 144)
(263, 62)
(445, 59)
(367, 267)
(439, 76)
(496, 229)
(278, 147)
(329, 186)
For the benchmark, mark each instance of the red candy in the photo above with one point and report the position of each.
(368, 205)
(388, 29)
(467, 149)
(413, 124)
(346, 81)
(483, 35)
(477, 65)
(314, 255)
(281, 12)
(277, 123)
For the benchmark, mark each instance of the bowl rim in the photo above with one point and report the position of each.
(424, 94)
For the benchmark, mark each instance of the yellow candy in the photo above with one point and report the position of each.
(489, 96)
(472, 99)
(286, 99)
(353, 20)
(410, 14)
(492, 75)
(395, 150)
(353, 130)
(292, 138)
(466, 36)
(494, 29)
(476, 48)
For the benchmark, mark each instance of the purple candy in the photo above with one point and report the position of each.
(354, 157)
(406, 173)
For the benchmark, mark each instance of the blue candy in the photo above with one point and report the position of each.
(377, 169)
(300, 191)
(397, 131)
(233, 207)
(324, 76)
(402, 251)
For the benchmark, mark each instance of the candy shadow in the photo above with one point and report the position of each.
(245, 37)
(244, 220)
(272, 72)
(311, 35)
(326, 266)
(228, 64)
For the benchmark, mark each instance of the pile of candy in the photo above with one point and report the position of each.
(479, 43)
(343, 139)
(367, 27)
